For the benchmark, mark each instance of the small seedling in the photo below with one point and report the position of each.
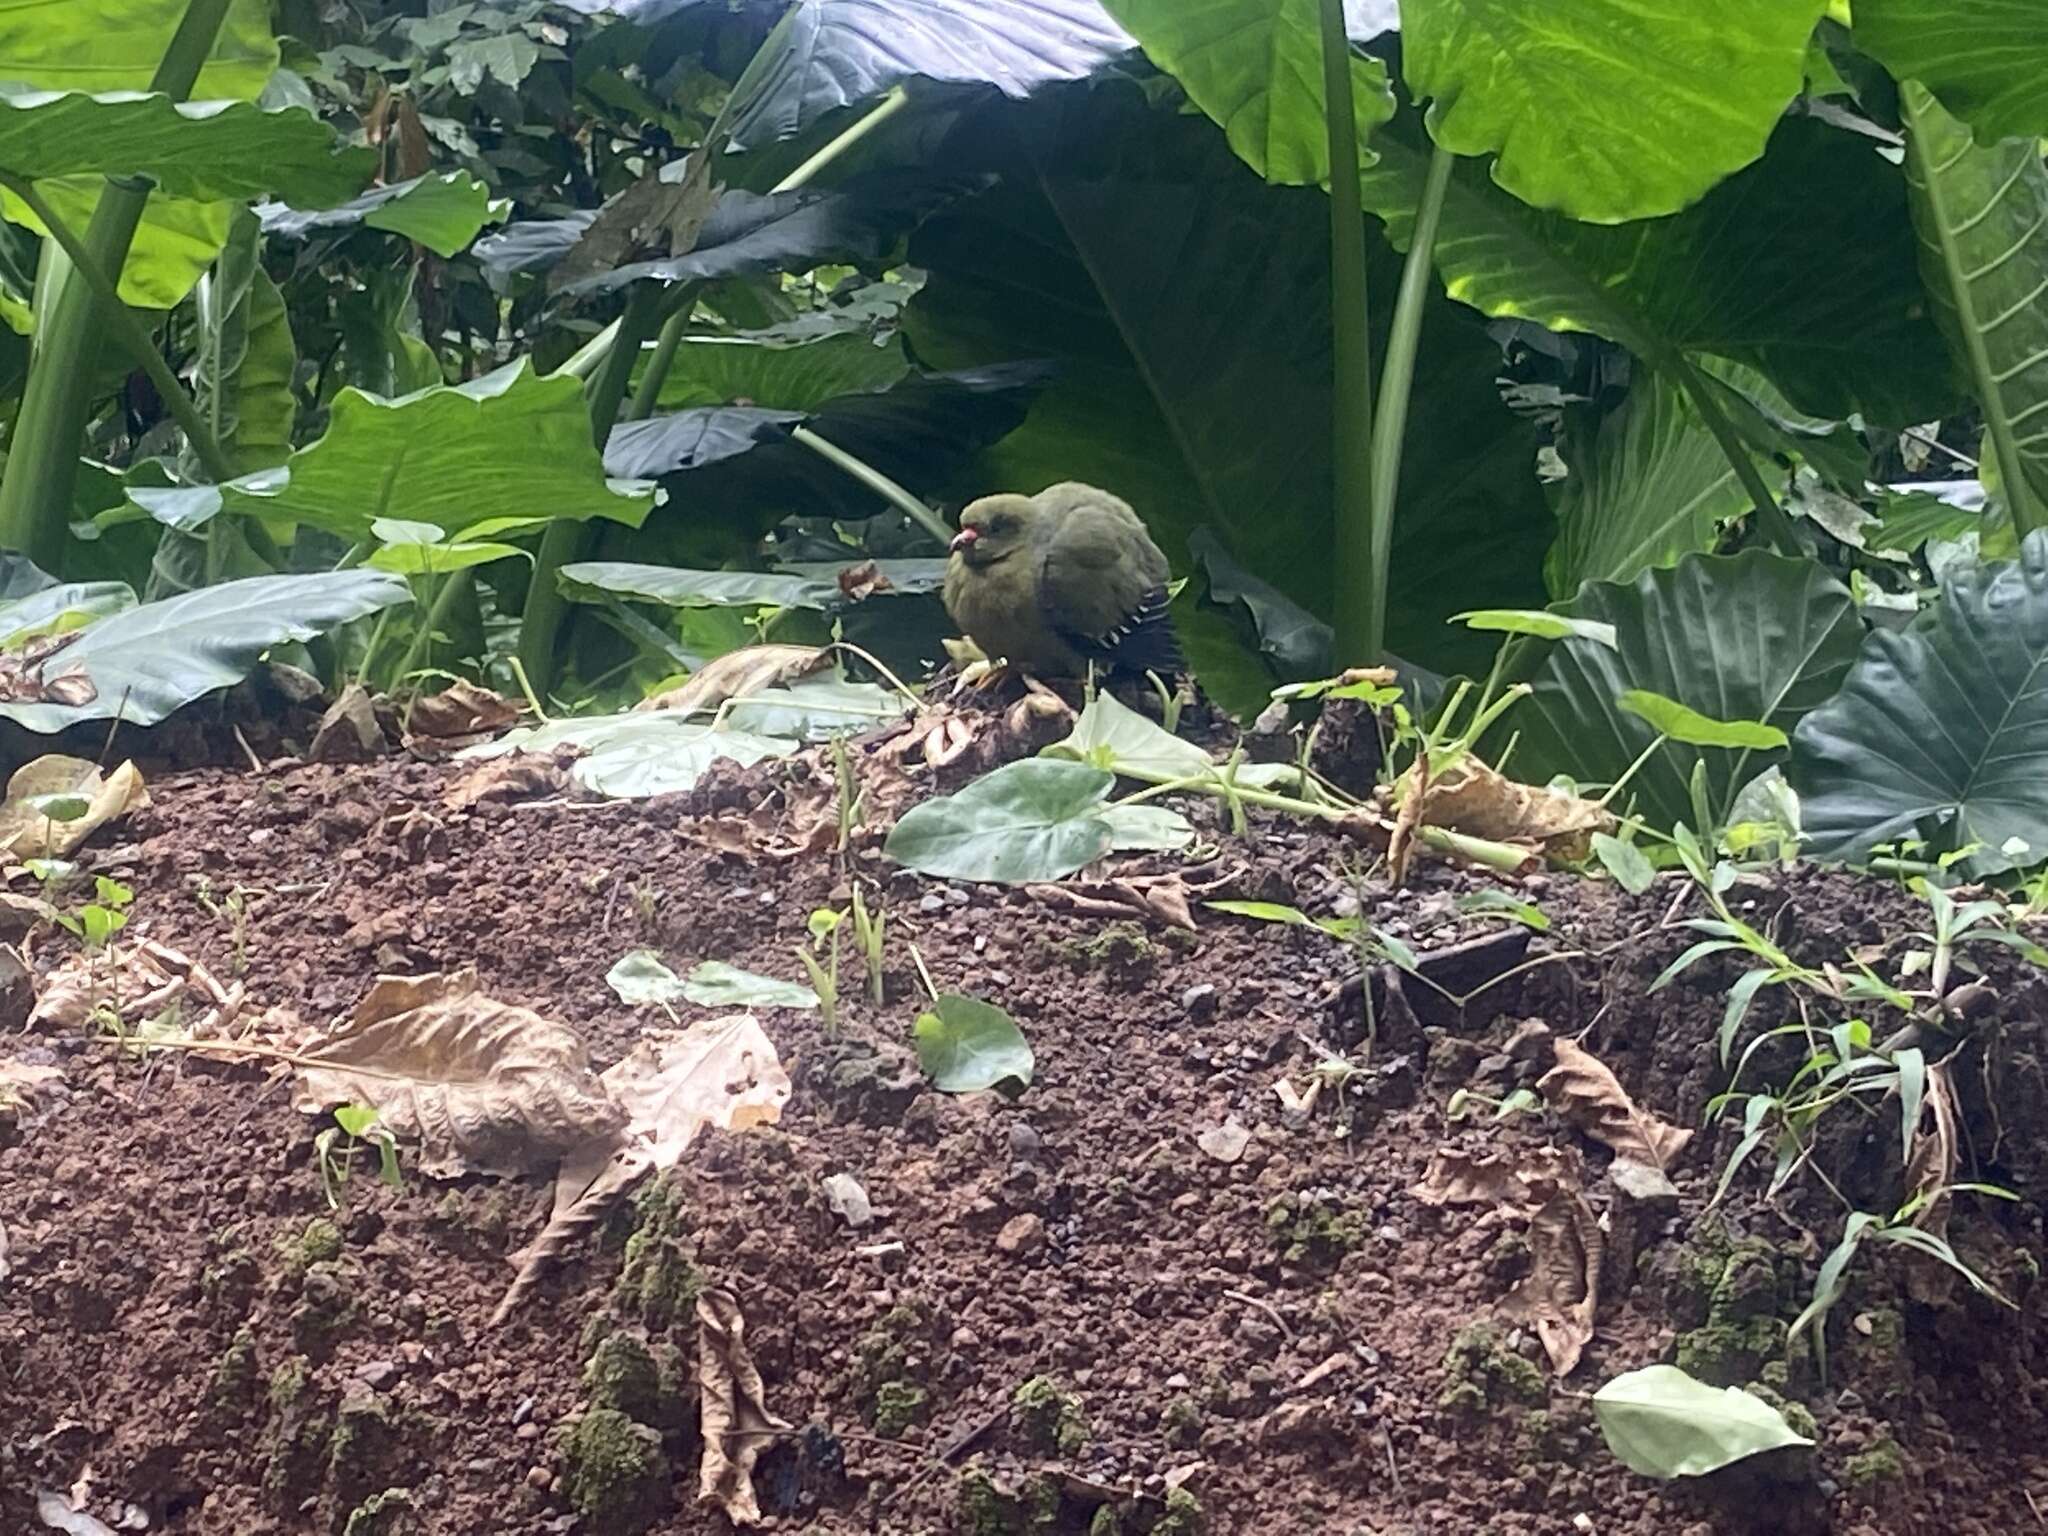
(1467, 1102)
(869, 928)
(645, 897)
(232, 910)
(335, 1148)
(851, 795)
(824, 928)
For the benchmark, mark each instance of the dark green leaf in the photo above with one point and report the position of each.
(1986, 59)
(443, 212)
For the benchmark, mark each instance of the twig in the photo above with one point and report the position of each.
(1393, 1466)
(949, 1452)
(255, 762)
(1264, 1306)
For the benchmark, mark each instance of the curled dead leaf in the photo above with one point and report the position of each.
(1469, 796)
(732, 1409)
(523, 776)
(460, 716)
(149, 987)
(860, 582)
(483, 1086)
(22, 680)
(1931, 1165)
(722, 1073)
(1562, 1289)
(22, 1082)
(737, 674)
(349, 732)
(1458, 1177)
(1585, 1092)
(29, 830)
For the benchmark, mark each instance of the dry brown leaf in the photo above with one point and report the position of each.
(737, 674)
(1162, 898)
(25, 833)
(462, 715)
(1931, 1164)
(483, 1086)
(22, 680)
(350, 731)
(671, 1085)
(143, 982)
(1469, 797)
(1581, 1089)
(23, 1083)
(859, 582)
(1562, 1289)
(522, 776)
(732, 1411)
(1457, 1177)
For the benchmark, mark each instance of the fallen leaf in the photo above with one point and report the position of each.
(1415, 801)
(1456, 1177)
(54, 803)
(1562, 1289)
(22, 680)
(349, 732)
(22, 1082)
(737, 674)
(58, 1514)
(144, 983)
(732, 1411)
(721, 1072)
(1159, 898)
(456, 718)
(848, 1200)
(483, 1086)
(1581, 1089)
(1225, 1142)
(526, 776)
(860, 582)
(1470, 797)
(1931, 1163)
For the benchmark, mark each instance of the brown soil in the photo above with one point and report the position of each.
(1295, 1326)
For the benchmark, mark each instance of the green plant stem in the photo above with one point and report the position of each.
(909, 505)
(130, 331)
(647, 394)
(1914, 102)
(451, 592)
(1361, 626)
(590, 356)
(1397, 379)
(41, 480)
(564, 542)
(1771, 518)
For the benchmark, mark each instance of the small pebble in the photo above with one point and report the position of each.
(538, 1478)
(931, 902)
(1022, 1234)
(1024, 1141)
(955, 896)
(1199, 1002)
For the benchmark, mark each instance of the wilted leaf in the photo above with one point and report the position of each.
(966, 1045)
(658, 215)
(1034, 820)
(737, 674)
(1469, 796)
(1933, 1154)
(444, 721)
(21, 1082)
(714, 984)
(504, 780)
(1562, 1289)
(1457, 1177)
(1662, 1423)
(634, 755)
(144, 982)
(33, 825)
(484, 1086)
(643, 977)
(732, 1411)
(1581, 1088)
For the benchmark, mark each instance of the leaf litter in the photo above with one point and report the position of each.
(54, 803)
(732, 1409)
(1582, 1089)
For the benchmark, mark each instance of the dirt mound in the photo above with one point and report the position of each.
(1149, 1293)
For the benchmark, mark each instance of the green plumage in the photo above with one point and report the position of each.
(1055, 581)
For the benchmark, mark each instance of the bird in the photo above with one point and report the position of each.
(1054, 582)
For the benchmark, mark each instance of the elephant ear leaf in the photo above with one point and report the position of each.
(1938, 731)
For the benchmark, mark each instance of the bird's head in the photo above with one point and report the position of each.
(994, 528)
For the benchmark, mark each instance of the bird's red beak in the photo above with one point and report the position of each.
(965, 538)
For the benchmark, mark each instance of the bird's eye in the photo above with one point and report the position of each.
(1003, 524)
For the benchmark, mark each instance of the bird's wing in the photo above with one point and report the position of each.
(1102, 589)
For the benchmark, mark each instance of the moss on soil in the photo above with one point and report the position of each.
(621, 1374)
(615, 1473)
(319, 1243)
(1181, 1425)
(897, 1406)
(234, 1377)
(1481, 1372)
(1884, 1462)
(1313, 1228)
(1183, 1515)
(1740, 1287)
(1048, 1417)
(389, 1513)
(659, 1282)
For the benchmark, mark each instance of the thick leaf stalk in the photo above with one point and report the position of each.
(1361, 616)
(42, 470)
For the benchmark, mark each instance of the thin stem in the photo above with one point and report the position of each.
(1771, 518)
(607, 391)
(909, 505)
(130, 331)
(1397, 379)
(647, 394)
(453, 587)
(1361, 626)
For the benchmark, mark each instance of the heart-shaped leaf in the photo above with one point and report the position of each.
(966, 1045)
(1662, 1423)
(1034, 820)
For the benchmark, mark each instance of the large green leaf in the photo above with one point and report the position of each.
(1169, 393)
(1032, 820)
(827, 54)
(146, 662)
(640, 754)
(1607, 109)
(1836, 318)
(1256, 67)
(246, 357)
(199, 149)
(1662, 1423)
(966, 1045)
(1647, 484)
(511, 443)
(1940, 731)
(443, 212)
(780, 375)
(1982, 217)
(1986, 59)
(1754, 636)
(177, 240)
(116, 45)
